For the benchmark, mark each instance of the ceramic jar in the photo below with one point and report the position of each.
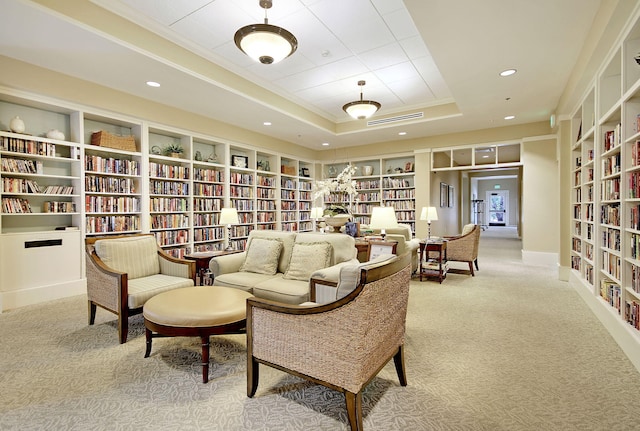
(367, 170)
(55, 134)
(17, 125)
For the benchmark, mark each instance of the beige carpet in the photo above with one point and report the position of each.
(509, 349)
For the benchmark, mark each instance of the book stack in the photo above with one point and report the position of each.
(434, 265)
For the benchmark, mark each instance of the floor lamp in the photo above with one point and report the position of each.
(429, 214)
(382, 218)
(229, 216)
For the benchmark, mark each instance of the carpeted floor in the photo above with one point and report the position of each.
(510, 349)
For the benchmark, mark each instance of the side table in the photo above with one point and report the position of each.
(440, 247)
(202, 259)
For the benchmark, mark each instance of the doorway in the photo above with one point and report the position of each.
(498, 207)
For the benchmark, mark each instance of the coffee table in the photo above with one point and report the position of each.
(195, 312)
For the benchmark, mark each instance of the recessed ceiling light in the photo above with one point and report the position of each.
(485, 157)
(267, 123)
(325, 144)
(508, 72)
(402, 133)
(509, 117)
(153, 84)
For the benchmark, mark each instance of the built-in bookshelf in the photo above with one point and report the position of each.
(605, 190)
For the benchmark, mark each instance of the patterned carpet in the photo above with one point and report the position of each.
(510, 349)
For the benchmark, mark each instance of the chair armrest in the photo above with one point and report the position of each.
(322, 291)
(413, 244)
(170, 265)
(332, 273)
(105, 286)
(226, 264)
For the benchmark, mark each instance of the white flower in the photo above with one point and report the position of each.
(342, 183)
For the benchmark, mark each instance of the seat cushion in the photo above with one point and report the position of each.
(307, 258)
(243, 280)
(143, 288)
(283, 290)
(137, 256)
(262, 257)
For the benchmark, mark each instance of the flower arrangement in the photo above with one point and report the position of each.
(173, 148)
(343, 183)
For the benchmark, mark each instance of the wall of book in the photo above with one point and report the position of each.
(605, 254)
(379, 181)
(96, 173)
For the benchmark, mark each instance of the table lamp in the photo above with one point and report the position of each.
(317, 213)
(229, 216)
(429, 214)
(383, 218)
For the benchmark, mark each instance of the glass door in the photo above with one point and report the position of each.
(498, 207)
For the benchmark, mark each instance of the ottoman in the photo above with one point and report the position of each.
(195, 312)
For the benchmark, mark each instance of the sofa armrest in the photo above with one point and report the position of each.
(413, 244)
(226, 264)
(332, 273)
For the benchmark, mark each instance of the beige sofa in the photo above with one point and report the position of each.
(406, 242)
(278, 265)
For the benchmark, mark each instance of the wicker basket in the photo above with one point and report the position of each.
(106, 139)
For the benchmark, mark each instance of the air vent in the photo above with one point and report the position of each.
(395, 119)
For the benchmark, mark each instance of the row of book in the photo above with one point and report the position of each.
(172, 237)
(111, 204)
(58, 207)
(207, 234)
(610, 291)
(399, 194)
(610, 189)
(26, 146)
(216, 190)
(266, 205)
(394, 183)
(612, 138)
(22, 166)
(169, 221)
(402, 205)
(15, 206)
(99, 184)
(161, 170)
(208, 175)
(610, 214)
(158, 187)
(266, 181)
(110, 165)
(632, 313)
(169, 204)
(634, 217)
(366, 185)
(288, 205)
(611, 264)
(634, 185)
(243, 204)
(611, 238)
(287, 183)
(240, 178)
(206, 219)
(207, 205)
(107, 224)
(635, 153)
(21, 185)
(236, 191)
(611, 165)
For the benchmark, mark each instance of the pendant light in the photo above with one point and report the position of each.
(361, 109)
(265, 43)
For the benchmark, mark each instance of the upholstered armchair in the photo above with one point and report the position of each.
(464, 247)
(124, 271)
(338, 344)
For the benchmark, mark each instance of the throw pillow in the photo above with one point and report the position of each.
(306, 258)
(262, 256)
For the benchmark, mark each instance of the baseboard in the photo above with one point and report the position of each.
(539, 258)
(564, 273)
(627, 337)
(36, 295)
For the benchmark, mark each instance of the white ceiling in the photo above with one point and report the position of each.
(440, 57)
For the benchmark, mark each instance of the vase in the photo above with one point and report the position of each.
(337, 221)
(55, 134)
(367, 170)
(17, 125)
(175, 155)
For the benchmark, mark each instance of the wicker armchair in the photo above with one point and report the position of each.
(464, 247)
(124, 271)
(338, 344)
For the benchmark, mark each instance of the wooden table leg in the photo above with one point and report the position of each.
(149, 340)
(205, 358)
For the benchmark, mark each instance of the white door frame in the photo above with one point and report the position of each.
(505, 196)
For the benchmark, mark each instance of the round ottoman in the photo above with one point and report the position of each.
(195, 312)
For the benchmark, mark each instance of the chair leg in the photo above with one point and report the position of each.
(398, 359)
(123, 326)
(92, 312)
(205, 358)
(476, 262)
(354, 410)
(252, 376)
(149, 337)
(471, 269)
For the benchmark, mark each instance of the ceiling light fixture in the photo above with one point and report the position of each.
(153, 84)
(508, 72)
(265, 43)
(361, 109)
(509, 117)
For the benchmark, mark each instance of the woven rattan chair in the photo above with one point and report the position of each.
(464, 247)
(133, 270)
(340, 344)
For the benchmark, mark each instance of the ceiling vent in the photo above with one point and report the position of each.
(395, 119)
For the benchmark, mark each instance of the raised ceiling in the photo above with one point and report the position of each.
(438, 57)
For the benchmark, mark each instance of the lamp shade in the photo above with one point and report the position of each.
(317, 212)
(265, 43)
(229, 216)
(383, 218)
(361, 109)
(429, 214)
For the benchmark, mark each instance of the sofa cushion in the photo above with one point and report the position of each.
(344, 246)
(307, 258)
(262, 257)
(287, 239)
(143, 288)
(467, 228)
(280, 289)
(137, 256)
